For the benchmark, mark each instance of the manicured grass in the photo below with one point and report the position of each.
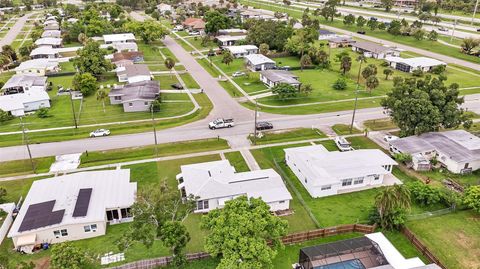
(130, 154)
(454, 238)
(343, 129)
(380, 124)
(189, 81)
(14, 168)
(116, 129)
(236, 160)
(270, 137)
(166, 81)
(197, 43)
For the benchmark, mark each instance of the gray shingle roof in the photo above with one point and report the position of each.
(144, 90)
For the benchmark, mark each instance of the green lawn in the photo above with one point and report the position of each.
(380, 124)
(189, 81)
(343, 129)
(138, 153)
(14, 168)
(236, 160)
(454, 238)
(271, 137)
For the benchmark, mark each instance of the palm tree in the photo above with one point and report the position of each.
(346, 64)
(371, 83)
(361, 59)
(387, 72)
(305, 61)
(169, 64)
(101, 96)
(391, 199)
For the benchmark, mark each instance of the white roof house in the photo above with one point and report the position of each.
(47, 52)
(23, 83)
(134, 73)
(229, 40)
(242, 50)
(128, 46)
(258, 62)
(37, 67)
(162, 8)
(52, 33)
(49, 41)
(325, 173)
(217, 182)
(410, 64)
(457, 150)
(18, 104)
(119, 38)
(72, 207)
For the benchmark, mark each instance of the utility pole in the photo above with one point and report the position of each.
(73, 110)
(154, 131)
(474, 12)
(354, 109)
(255, 127)
(453, 31)
(26, 143)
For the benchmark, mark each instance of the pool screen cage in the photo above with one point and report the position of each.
(361, 248)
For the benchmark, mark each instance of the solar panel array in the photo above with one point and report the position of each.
(83, 201)
(41, 215)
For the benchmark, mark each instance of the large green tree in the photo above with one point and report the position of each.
(91, 59)
(284, 91)
(215, 21)
(148, 30)
(391, 202)
(68, 256)
(85, 83)
(273, 33)
(472, 198)
(387, 4)
(419, 106)
(329, 10)
(239, 234)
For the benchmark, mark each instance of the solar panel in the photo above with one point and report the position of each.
(41, 215)
(83, 200)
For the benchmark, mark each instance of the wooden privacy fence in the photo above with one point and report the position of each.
(287, 240)
(422, 248)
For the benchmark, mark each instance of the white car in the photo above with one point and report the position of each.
(194, 33)
(343, 144)
(238, 74)
(178, 28)
(100, 132)
(389, 138)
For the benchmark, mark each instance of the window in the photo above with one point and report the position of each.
(326, 187)
(146, 103)
(90, 228)
(306, 181)
(56, 234)
(376, 177)
(64, 232)
(130, 104)
(118, 98)
(205, 204)
(199, 205)
(347, 182)
(125, 213)
(281, 202)
(358, 180)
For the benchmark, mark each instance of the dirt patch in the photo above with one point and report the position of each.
(472, 252)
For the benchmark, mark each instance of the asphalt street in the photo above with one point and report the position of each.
(14, 30)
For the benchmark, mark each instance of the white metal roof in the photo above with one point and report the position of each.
(48, 41)
(225, 38)
(241, 48)
(16, 101)
(393, 256)
(24, 80)
(110, 189)
(37, 63)
(416, 61)
(52, 33)
(218, 179)
(330, 167)
(130, 46)
(118, 37)
(257, 59)
(43, 50)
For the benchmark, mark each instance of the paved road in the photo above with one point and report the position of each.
(14, 30)
(447, 59)
(224, 105)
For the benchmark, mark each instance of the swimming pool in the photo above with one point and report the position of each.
(351, 264)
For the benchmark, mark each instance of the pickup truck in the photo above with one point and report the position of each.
(221, 123)
(343, 144)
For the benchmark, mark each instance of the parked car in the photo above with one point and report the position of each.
(177, 86)
(264, 125)
(442, 29)
(238, 74)
(286, 68)
(221, 123)
(389, 138)
(100, 132)
(178, 28)
(193, 33)
(373, 19)
(211, 53)
(343, 144)
(361, 32)
(478, 30)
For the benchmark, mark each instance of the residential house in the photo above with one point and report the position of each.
(256, 14)
(194, 24)
(53, 42)
(397, 3)
(44, 52)
(326, 35)
(127, 46)
(73, 207)
(232, 31)
(38, 67)
(242, 50)
(135, 96)
(119, 38)
(374, 50)
(50, 20)
(409, 65)
(215, 183)
(165, 8)
(271, 78)
(340, 42)
(52, 33)
(325, 173)
(52, 26)
(229, 40)
(457, 150)
(23, 83)
(21, 103)
(259, 62)
(134, 73)
(371, 251)
(134, 56)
